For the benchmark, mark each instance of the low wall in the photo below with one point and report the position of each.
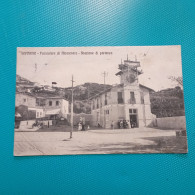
(27, 125)
(76, 118)
(178, 122)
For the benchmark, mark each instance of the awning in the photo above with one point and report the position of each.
(52, 112)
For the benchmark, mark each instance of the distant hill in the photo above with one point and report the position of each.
(20, 80)
(83, 92)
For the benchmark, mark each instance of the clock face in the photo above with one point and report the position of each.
(130, 78)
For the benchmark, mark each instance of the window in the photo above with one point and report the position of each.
(57, 103)
(142, 97)
(40, 102)
(107, 111)
(50, 103)
(106, 102)
(97, 103)
(100, 102)
(37, 114)
(133, 111)
(120, 98)
(24, 99)
(37, 102)
(132, 97)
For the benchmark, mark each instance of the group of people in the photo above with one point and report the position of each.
(81, 126)
(124, 124)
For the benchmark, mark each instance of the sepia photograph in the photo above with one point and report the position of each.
(99, 100)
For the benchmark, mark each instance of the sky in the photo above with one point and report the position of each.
(157, 62)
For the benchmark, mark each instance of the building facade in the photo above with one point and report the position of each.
(50, 107)
(53, 106)
(28, 100)
(25, 99)
(128, 101)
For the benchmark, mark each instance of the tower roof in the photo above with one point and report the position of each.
(121, 72)
(129, 65)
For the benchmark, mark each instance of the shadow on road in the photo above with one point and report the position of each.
(171, 144)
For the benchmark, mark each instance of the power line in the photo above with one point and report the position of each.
(146, 53)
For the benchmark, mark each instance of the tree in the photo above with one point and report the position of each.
(178, 80)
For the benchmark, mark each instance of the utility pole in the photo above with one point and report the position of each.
(72, 124)
(88, 93)
(104, 75)
(88, 96)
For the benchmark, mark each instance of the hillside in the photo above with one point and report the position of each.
(20, 80)
(167, 103)
(82, 93)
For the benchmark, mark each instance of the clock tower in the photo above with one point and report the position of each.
(129, 72)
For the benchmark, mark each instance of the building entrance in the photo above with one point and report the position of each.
(133, 118)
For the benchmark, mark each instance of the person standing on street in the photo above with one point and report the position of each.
(121, 124)
(128, 124)
(112, 125)
(131, 122)
(79, 126)
(83, 126)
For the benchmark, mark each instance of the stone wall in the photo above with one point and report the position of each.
(178, 122)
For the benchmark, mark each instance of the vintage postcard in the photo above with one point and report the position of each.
(99, 100)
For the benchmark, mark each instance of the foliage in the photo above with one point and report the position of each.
(167, 103)
(82, 107)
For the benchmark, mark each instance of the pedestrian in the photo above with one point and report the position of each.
(121, 124)
(128, 124)
(112, 125)
(83, 126)
(79, 126)
(131, 122)
(124, 124)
